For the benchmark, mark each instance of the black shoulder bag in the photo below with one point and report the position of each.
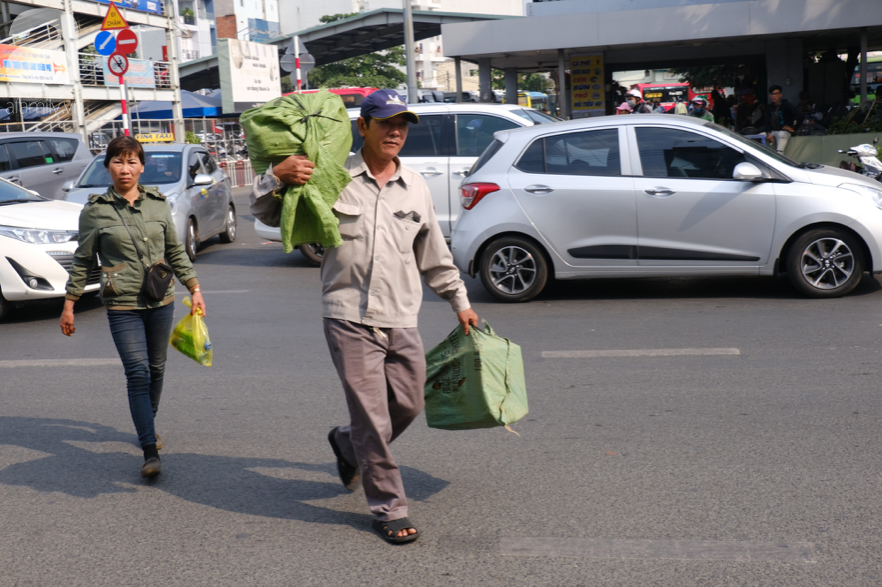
(157, 277)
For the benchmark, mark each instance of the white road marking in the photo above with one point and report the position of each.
(637, 353)
(60, 363)
(216, 291)
(708, 550)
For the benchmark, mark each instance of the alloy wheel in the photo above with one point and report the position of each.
(827, 263)
(512, 270)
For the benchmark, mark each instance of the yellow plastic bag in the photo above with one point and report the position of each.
(190, 336)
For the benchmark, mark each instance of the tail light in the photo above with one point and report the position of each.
(473, 192)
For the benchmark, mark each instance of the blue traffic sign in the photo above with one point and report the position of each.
(105, 43)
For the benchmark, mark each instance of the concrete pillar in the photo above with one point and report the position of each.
(565, 111)
(484, 84)
(784, 67)
(457, 63)
(69, 32)
(511, 85)
(864, 65)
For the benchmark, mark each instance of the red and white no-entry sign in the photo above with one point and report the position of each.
(118, 64)
(126, 41)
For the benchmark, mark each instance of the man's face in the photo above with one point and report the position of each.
(384, 138)
(776, 96)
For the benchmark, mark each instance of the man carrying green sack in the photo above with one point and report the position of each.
(371, 295)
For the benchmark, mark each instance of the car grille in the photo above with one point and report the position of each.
(66, 261)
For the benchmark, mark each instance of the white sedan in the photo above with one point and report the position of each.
(38, 238)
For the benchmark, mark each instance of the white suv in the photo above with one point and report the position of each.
(443, 147)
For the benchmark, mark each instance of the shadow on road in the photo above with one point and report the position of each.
(50, 309)
(654, 288)
(253, 486)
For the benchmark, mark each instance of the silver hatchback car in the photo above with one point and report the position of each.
(659, 195)
(198, 191)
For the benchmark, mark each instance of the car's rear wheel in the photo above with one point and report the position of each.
(825, 263)
(313, 253)
(191, 240)
(229, 233)
(513, 269)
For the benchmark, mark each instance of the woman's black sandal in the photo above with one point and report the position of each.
(389, 530)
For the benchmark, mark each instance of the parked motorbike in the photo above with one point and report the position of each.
(867, 155)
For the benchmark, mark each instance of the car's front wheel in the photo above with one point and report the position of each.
(191, 239)
(513, 269)
(825, 263)
(229, 233)
(313, 253)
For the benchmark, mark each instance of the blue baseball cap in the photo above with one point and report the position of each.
(384, 104)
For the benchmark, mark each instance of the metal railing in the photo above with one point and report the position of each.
(92, 71)
(38, 35)
(39, 126)
(240, 172)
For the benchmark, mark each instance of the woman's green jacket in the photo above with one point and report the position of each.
(103, 236)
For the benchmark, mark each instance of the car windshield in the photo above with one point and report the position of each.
(159, 167)
(13, 194)
(766, 150)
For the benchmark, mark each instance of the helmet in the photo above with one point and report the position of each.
(636, 93)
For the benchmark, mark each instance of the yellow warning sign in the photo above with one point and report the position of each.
(113, 19)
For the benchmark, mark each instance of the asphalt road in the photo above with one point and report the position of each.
(755, 468)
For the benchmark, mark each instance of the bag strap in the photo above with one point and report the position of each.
(137, 250)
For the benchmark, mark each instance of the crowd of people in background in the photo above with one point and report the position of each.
(776, 119)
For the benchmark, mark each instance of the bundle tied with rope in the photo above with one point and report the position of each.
(317, 126)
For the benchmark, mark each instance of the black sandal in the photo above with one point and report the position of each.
(389, 530)
(349, 475)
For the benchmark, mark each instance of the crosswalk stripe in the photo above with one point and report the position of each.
(638, 353)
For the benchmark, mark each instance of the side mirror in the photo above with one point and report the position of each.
(202, 179)
(747, 172)
(67, 186)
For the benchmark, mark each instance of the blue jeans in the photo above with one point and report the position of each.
(141, 338)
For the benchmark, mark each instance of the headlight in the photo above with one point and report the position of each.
(172, 200)
(37, 236)
(872, 193)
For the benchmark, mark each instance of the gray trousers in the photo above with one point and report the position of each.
(383, 375)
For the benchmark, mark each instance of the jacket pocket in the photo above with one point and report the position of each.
(351, 220)
(109, 280)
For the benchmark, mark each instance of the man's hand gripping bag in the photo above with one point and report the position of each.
(475, 381)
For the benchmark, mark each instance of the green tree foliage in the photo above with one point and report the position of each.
(526, 82)
(707, 76)
(329, 18)
(379, 70)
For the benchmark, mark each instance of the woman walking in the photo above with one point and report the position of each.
(130, 228)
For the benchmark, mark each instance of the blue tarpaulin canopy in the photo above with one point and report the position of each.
(195, 106)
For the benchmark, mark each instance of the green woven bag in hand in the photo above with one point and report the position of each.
(475, 381)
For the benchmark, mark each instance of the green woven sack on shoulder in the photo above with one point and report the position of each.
(316, 125)
(475, 381)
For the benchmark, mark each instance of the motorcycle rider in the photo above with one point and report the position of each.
(635, 101)
(699, 109)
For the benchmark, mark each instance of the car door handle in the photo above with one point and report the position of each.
(539, 190)
(660, 192)
(14, 179)
(57, 170)
(462, 172)
(430, 172)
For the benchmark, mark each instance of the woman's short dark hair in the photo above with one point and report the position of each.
(123, 146)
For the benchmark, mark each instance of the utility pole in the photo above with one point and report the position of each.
(408, 47)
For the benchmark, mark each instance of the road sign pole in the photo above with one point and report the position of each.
(297, 60)
(122, 98)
